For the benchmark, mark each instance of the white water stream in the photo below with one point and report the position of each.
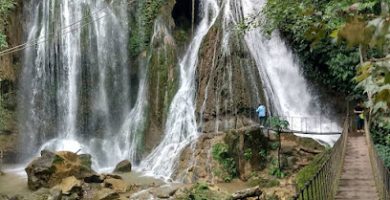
(75, 85)
(181, 126)
(284, 83)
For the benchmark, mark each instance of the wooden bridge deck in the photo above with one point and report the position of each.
(357, 179)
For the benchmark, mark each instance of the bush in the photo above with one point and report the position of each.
(384, 153)
(221, 154)
(5, 7)
(248, 154)
(201, 191)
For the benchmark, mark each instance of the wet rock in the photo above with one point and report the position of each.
(106, 194)
(55, 194)
(164, 192)
(69, 185)
(117, 185)
(49, 169)
(17, 197)
(94, 178)
(106, 176)
(250, 192)
(4, 197)
(123, 166)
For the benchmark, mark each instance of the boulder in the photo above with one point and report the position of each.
(123, 166)
(69, 185)
(4, 197)
(55, 194)
(247, 193)
(51, 168)
(106, 194)
(117, 185)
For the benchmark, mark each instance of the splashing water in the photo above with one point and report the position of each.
(181, 127)
(75, 87)
(285, 85)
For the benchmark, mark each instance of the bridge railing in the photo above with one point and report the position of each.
(323, 185)
(381, 172)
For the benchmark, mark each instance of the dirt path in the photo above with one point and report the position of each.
(357, 180)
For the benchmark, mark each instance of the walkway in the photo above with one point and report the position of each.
(357, 180)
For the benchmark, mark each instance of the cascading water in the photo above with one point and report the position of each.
(75, 87)
(285, 86)
(181, 126)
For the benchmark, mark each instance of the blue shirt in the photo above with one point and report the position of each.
(261, 111)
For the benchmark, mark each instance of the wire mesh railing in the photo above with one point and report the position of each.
(381, 172)
(323, 185)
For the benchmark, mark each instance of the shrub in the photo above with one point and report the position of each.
(220, 153)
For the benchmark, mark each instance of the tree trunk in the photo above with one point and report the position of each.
(279, 148)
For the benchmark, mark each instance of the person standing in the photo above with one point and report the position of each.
(262, 114)
(359, 117)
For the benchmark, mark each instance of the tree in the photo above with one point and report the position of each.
(278, 125)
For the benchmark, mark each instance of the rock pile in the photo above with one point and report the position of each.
(67, 176)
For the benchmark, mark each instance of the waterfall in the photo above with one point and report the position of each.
(75, 87)
(285, 85)
(181, 126)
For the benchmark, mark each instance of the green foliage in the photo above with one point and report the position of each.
(332, 38)
(220, 153)
(309, 171)
(5, 7)
(311, 28)
(274, 145)
(263, 154)
(276, 170)
(263, 182)
(142, 26)
(5, 116)
(201, 191)
(248, 154)
(384, 153)
(381, 138)
(277, 123)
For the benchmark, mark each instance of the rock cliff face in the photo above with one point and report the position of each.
(228, 90)
(9, 69)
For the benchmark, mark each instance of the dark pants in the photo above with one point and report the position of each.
(359, 123)
(263, 120)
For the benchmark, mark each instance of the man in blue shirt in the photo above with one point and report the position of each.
(262, 114)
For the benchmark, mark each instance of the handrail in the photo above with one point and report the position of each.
(323, 185)
(381, 172)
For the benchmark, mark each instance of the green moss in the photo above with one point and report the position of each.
(142, 25)
(58, 160)
(5, 7)
(263, 182)
(309, 171)
(6, 117)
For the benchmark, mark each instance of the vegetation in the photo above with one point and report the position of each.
(309, 171)
(220, 153)
(344, 45)
(201, 191)
(142, 26)
(263, 182)
(5, 7)
(278, 125)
